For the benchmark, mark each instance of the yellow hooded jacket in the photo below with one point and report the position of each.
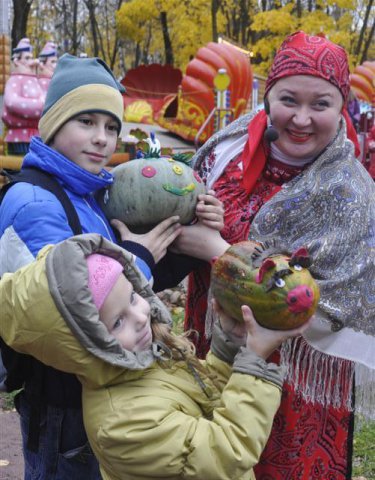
(143, 420)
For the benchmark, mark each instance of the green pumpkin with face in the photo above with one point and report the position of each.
(146, 191)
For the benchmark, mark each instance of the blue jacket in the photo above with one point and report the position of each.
(31, 217)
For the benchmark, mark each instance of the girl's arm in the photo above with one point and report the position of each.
(181, 437)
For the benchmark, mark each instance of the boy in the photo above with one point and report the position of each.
(79, 127)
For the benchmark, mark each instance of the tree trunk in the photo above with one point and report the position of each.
(368, 43)
(214, 10)
(74, 28)
(21, 9)
(299, 9)
(167, 39)
(116, 42)
(93, 26)
(364, 27)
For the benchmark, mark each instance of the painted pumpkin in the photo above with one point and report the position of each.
(149, 190)
(278, 288)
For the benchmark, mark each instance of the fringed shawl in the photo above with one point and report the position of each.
(330, 208)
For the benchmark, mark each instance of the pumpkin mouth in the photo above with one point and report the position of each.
(300, 299)
(179, 191)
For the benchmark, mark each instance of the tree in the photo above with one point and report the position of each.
(21, 10)
(171, 31)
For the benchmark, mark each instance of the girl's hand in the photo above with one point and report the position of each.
(210, 211)
(156, 240)
(234, 330)
(264, 341)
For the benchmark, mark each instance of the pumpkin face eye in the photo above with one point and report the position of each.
(177, 169)
(148, 171)
(297, 267)
(279, 282)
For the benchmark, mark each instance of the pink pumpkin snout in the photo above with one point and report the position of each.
(300, 299)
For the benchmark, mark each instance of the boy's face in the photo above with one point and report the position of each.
(89, 140)
(127, 316)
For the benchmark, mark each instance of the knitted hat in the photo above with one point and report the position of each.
(103, 274)
(23, 45)
(49, 50)
(302, 54)
(80, 85)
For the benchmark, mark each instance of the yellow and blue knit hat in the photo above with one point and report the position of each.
(80, 85)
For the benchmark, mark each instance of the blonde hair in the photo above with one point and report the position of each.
(180, 348)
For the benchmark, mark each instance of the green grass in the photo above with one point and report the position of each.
(7, 400)
(364, 451)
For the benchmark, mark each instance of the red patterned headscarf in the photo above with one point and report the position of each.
(302, 54)
(299, 54)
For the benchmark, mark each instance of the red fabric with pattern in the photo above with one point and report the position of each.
(307, 442)
(302, 54)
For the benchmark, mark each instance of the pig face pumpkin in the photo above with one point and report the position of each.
(278, 288)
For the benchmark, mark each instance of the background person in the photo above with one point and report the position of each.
(298, 183)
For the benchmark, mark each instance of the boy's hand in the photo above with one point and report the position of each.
(263, 341)
(156, 240)
(210, 211)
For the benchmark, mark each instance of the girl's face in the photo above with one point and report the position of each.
(127, 316)
(305, 110)
(88, 140)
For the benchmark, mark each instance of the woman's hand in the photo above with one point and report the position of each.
(199, 241)
(156, 240)
(210, 211)
(263, 341)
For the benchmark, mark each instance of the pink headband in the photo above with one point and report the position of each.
(103, 274)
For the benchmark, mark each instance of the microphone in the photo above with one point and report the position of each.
(271, 134)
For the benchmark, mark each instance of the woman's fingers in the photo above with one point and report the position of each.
(210, 212)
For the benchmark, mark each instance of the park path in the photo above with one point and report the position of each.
(11, 460)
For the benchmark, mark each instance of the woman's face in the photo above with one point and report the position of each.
(305, 110)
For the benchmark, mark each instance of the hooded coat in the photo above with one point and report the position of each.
(145, 417)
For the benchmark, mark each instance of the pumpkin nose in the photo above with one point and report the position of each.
(300, 299)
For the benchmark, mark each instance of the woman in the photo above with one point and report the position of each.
(297, 183)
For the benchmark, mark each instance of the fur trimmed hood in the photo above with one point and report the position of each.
(57, 287)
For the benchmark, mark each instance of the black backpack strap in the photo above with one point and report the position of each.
(45, 180)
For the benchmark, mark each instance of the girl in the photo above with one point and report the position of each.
(151, 409)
